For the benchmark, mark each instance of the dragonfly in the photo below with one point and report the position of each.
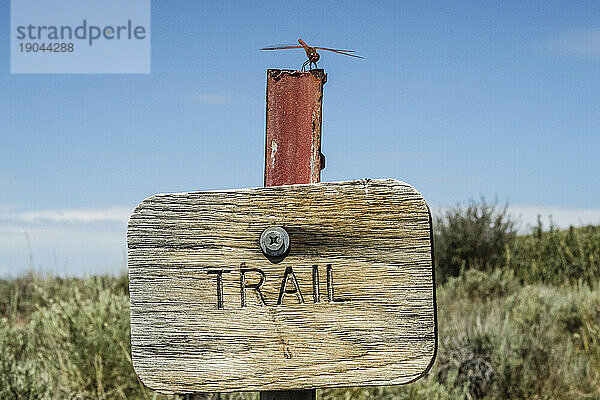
(311, 52)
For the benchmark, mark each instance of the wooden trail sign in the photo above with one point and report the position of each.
(351, 303)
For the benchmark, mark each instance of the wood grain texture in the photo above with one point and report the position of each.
(374, 234)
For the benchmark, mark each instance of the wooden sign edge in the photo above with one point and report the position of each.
(390, 382)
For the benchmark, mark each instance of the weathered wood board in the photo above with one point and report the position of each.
(352, 304)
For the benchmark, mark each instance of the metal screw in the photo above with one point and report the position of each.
(274, 241)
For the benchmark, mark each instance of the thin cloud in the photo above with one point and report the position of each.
(63, 241)
(118, 214)
(582, 42)
(63, 249)
(213, 99)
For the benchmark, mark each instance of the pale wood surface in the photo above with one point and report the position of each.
(375, 234)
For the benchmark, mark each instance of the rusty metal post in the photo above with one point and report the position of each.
(293, 147)
(293, 143)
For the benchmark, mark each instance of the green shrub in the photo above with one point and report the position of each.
(557, 256)
(20, 297)
(475, 285)
(540, 340)
(471, 236)
(21, 376)
(85, 341)
(467, 363)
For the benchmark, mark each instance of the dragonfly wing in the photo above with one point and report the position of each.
(282, 47)
(340, 52)
(327, 48)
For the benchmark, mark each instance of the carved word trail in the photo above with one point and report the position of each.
(289, 286)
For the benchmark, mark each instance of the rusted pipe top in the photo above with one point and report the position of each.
(293, 137)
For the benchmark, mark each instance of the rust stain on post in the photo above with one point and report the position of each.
(293, 139)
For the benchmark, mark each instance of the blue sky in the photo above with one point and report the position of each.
(461, 99)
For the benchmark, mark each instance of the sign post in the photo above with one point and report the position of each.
(293, 147)
(288, 288)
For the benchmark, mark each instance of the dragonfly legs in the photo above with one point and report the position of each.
(309, 63)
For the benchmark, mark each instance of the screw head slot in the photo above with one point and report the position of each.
(274, 241)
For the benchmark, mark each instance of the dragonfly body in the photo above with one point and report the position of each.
(311, 52)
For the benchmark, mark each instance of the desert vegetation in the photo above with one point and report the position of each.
(518, 317)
